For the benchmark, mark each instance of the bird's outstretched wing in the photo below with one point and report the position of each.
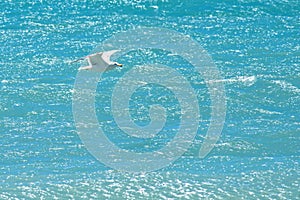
(107, 54)
(101, 58)
(96, 59)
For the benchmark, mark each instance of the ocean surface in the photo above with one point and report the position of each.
(254, 44)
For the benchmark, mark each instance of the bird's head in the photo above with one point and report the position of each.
(117, 64)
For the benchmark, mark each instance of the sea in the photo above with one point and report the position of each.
(255, 47)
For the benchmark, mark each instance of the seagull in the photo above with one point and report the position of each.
(100, 62)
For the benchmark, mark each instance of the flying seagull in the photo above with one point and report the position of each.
(100, 62)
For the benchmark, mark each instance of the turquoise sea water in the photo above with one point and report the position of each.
(255, 45)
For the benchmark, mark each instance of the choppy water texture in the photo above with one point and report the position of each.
(255, 44)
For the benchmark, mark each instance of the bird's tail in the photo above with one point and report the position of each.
(85, 68)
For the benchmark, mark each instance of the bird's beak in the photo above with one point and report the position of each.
(120, 65)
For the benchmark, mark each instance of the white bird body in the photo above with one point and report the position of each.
(100, 62)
